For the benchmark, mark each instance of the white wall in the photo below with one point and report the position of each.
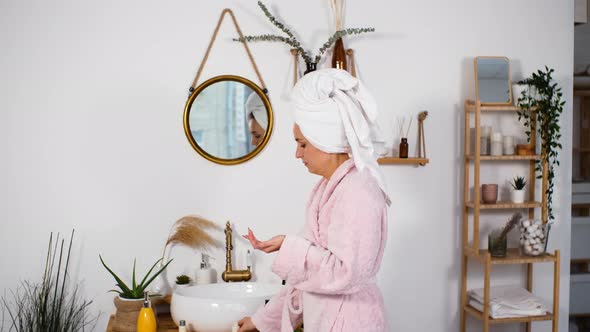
(91, 100)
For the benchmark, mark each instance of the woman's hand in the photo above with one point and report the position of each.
(246, 325)
(269, 246)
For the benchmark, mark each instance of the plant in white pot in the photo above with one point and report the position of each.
(182, 281)
(517, 193)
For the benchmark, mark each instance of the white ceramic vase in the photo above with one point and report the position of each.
(517, 196)
(181, 286)
(160, 285)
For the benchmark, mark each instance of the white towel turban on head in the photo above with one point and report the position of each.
(255, 106)
(336, 114)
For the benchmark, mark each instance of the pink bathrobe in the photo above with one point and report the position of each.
(330, 270)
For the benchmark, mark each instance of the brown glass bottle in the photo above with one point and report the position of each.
(403, 148)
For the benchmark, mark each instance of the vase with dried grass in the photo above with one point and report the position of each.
(290, 38)
(497, 239)
(192, 232)
(339, 53)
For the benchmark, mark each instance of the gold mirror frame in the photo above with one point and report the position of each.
(251, 85)
(510, 97)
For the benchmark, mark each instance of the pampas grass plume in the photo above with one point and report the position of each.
(191, 231)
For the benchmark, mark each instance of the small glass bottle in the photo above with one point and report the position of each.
(182, 326)
(403, 148)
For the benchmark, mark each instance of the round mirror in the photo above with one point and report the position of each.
(228, 119)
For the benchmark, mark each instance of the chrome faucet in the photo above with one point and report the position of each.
(229, 274)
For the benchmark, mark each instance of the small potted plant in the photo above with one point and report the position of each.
(182, 281)
(129, 302)
(517, 193)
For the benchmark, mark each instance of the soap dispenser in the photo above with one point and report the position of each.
(249, 260)
(146, 321)
(205, 272)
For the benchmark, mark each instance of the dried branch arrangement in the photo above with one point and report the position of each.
(292, 41)
(191, 231)
(510, 224)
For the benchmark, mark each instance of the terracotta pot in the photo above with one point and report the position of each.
(489, 193)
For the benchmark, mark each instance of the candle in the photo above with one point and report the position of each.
(508, 143)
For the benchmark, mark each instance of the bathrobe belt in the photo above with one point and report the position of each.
(294, 302)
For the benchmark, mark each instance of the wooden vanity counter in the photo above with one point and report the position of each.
(165, 323)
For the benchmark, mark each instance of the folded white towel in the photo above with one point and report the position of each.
(508, 301)
(500, 312)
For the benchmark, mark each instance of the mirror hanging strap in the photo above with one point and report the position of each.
(225, 11)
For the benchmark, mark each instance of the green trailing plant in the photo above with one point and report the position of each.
(542, 104)
(183, 279)
(55, 303)
(292, 41)
(136, 290)
(518, 183)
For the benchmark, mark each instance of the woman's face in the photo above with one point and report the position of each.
(314, 159)
(256, 132)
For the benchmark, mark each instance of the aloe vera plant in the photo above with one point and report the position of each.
(136, 290)
(518, 183)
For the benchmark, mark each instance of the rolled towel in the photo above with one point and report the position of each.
(336, 114)
(256, 109)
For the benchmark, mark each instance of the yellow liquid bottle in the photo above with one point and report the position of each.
(146, 321)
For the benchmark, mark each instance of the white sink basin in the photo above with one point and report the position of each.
(216, 307)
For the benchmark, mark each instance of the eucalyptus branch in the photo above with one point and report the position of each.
(296, 44)
(275, 38)
(339, 34)
(274, 21)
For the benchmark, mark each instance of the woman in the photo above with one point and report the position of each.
(257, 118)
(330, 269)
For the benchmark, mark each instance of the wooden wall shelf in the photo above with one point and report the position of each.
(402, 161)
